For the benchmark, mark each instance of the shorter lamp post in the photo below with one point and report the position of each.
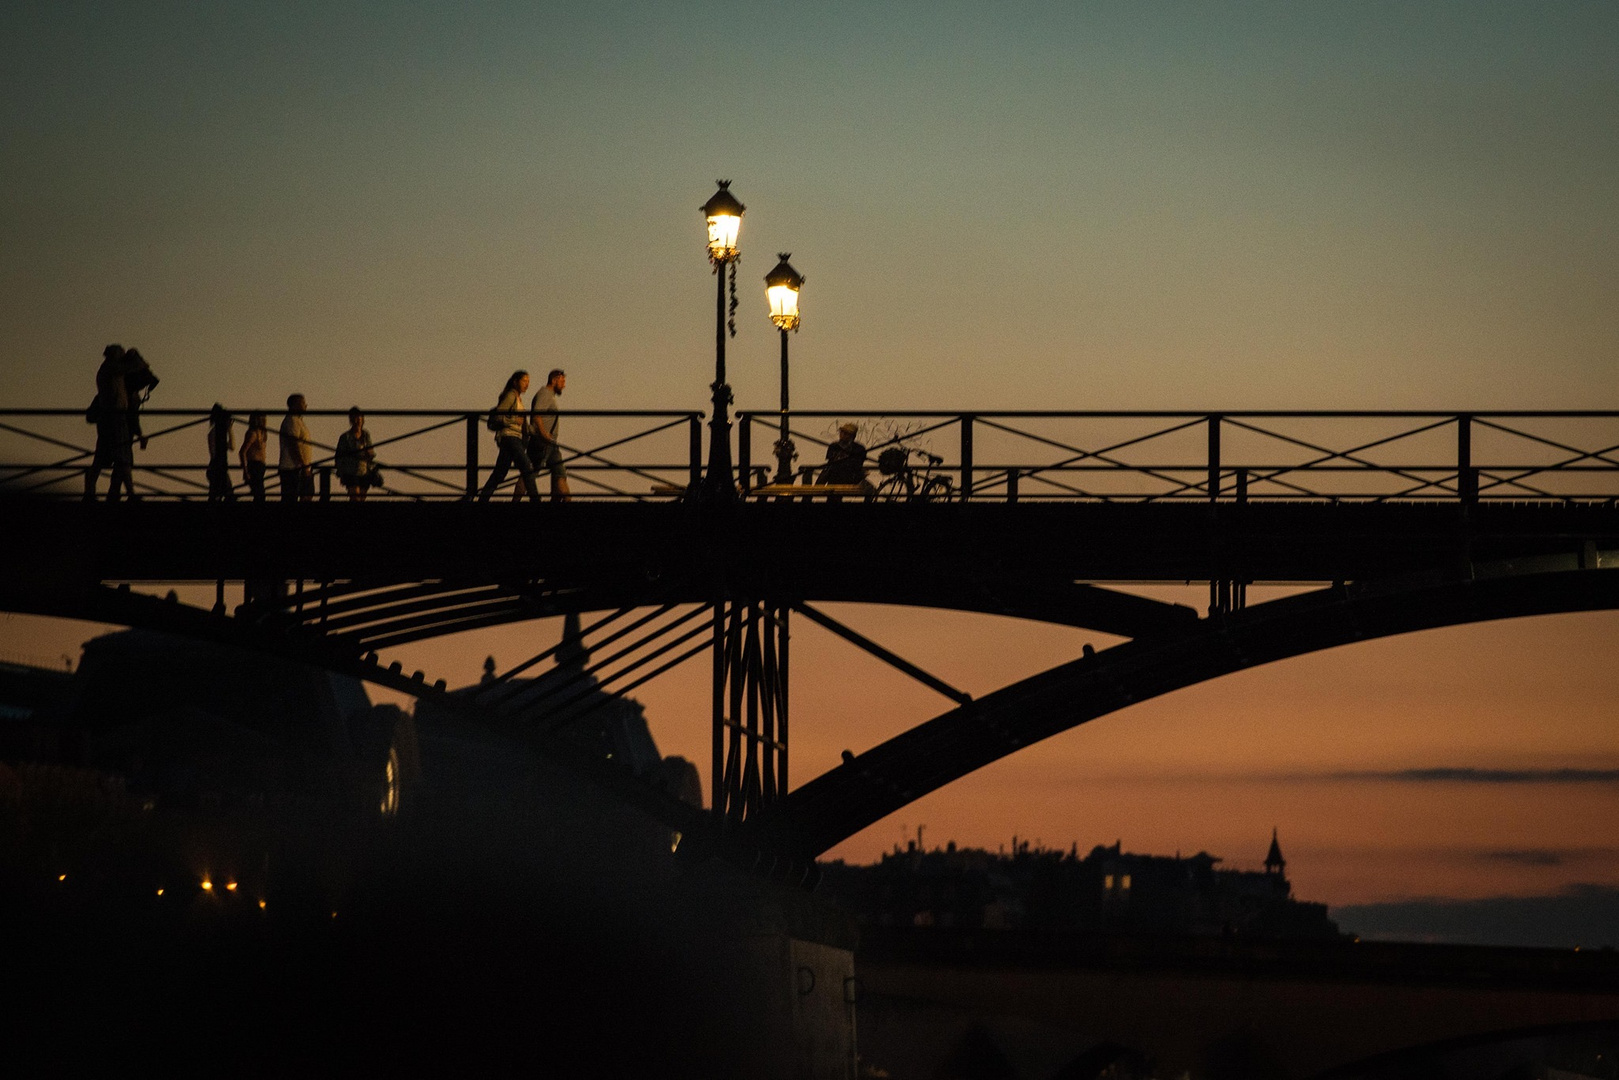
(724, 215)
(781, 289)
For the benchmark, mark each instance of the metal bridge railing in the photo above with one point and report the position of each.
(1227, 456)
(424, 455)
(632, 455)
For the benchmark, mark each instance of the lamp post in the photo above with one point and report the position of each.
(781, 289)
(724, 215)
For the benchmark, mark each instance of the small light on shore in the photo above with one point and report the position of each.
(207, 886)
(334, 914)
(230, 886)
(261, 905)
(61, 877)
(160, 892)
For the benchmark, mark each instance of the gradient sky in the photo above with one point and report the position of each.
(1208, 206)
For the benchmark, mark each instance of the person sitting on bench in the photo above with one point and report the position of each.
(845, 459)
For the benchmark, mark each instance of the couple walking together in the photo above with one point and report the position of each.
(123, 382)
(528, 438)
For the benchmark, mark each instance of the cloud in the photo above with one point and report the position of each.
(1579, 915)
(1527, 856)
(1466, 775)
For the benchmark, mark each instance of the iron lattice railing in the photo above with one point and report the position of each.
(1193, 456)
(633, 455)
(424, 455)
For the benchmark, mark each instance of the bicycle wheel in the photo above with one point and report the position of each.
(937, 489)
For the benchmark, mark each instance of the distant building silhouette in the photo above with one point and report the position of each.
(1108, 889)
(28, 695)
(1274, 863)
(199, 724)
(567, 699)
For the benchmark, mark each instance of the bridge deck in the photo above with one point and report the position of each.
(880, 552)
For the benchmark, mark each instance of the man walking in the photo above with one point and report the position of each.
(547, 451)
(297, 453)
(110, 411)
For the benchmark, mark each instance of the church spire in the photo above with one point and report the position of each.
(1274, 863)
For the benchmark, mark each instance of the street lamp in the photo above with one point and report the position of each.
(724, 215)
(781, 289)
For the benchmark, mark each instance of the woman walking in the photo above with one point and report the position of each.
(509, 422)
(221, 441)
(254, 444)
(356, 460)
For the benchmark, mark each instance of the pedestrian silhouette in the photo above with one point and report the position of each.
(254, 445)
(356, 461)
(543, 424)
(297, 453)
(123, 382)
(510, 424)
(221, 441)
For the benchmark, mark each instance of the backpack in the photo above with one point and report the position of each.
(493, 421)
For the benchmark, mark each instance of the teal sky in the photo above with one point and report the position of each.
(1078, 205)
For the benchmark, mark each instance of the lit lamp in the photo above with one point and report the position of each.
(781, 289)
(724, 215)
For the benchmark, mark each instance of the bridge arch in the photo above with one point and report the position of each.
(1169, 647)
(826, 810)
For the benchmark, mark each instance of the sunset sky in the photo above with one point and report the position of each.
(1080, 205)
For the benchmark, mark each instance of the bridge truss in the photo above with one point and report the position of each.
(1397, 522)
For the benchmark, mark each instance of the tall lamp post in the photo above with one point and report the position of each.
(724, 215)
(781, 289)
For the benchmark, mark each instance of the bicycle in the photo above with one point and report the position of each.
(912, 483)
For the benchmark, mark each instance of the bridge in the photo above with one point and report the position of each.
(1387, 522)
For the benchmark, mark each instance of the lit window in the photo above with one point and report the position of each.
(1125, 882)
(1107, 881)
(390, 784)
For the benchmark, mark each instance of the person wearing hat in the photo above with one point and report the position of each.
(846, 458)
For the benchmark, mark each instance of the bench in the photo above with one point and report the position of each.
(783, 491)
(809, 491)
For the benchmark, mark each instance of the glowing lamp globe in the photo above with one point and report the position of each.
(781, 289)
(724, 216)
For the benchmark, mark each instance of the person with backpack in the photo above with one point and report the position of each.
(509, 421)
